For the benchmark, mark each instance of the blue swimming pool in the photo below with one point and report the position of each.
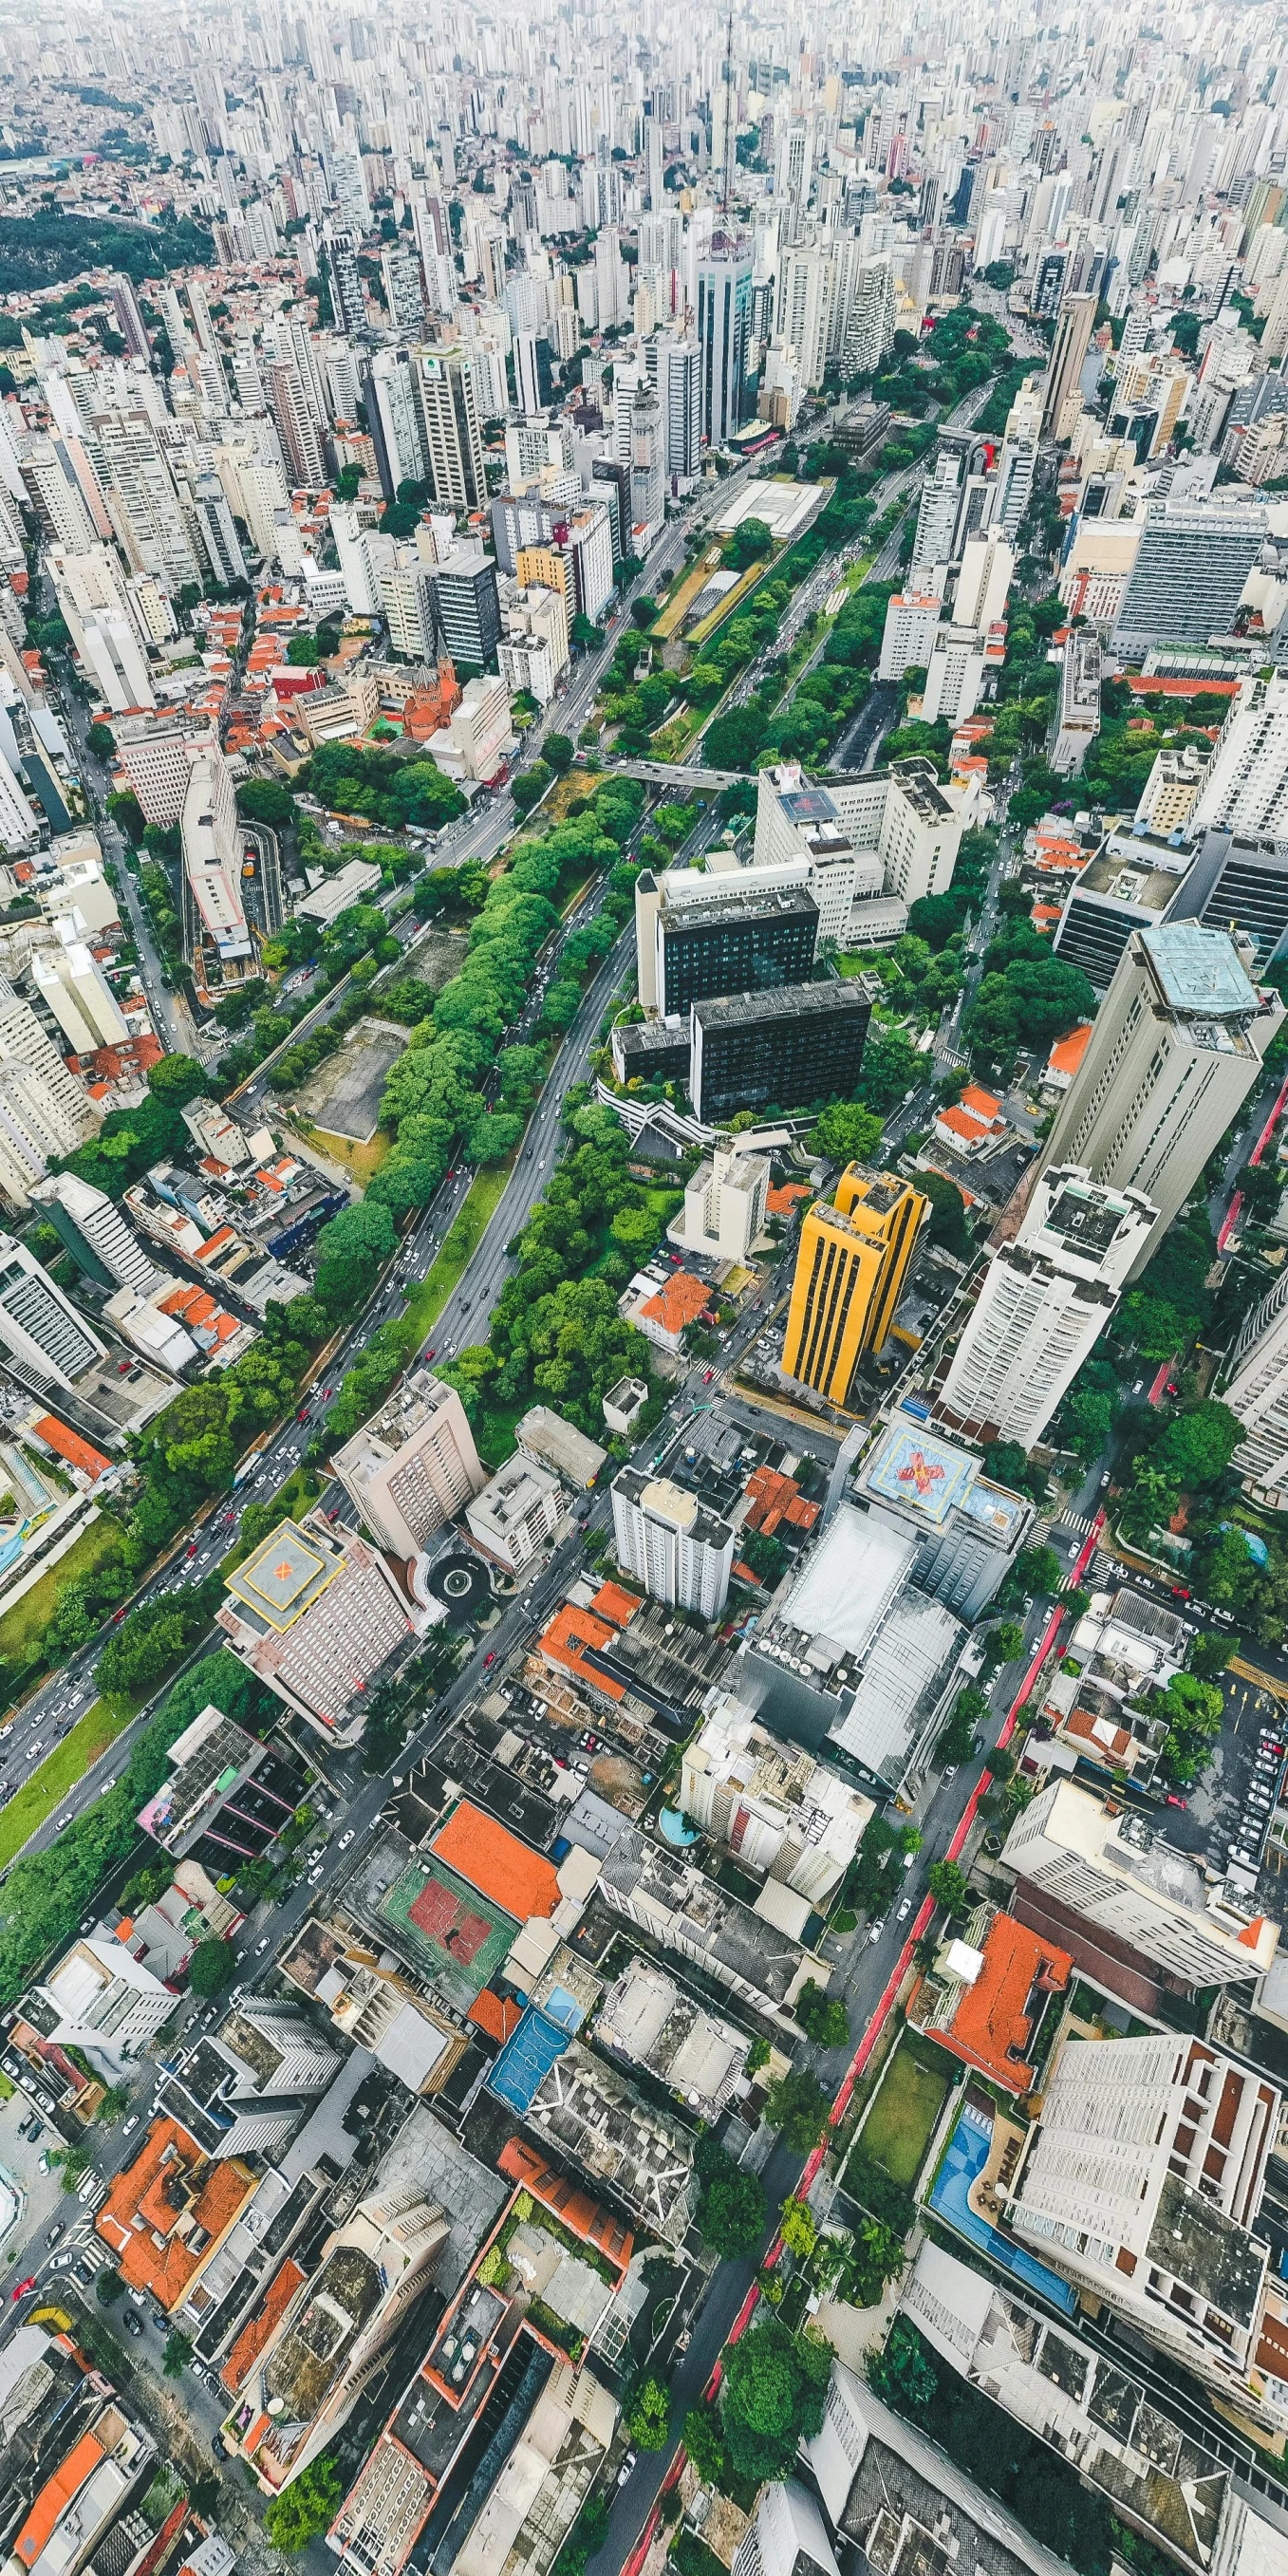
(965, 2160)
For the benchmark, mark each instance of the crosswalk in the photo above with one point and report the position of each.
(1082, 1522)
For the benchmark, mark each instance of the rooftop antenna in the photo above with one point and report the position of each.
(730, 132)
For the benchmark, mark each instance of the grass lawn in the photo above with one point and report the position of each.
(68, 1763)
(494, 1431)
(901, 2122)
(22, 1628)
(687, 588)
(362, 1162)
(430, 1295)
(569, 792)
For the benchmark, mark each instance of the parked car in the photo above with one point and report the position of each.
(904, 1910)
(345, 1840)
(133, 2325)
(626, 2468)
(53, 2233)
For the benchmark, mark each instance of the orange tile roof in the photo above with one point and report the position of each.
(55, 2496)
(572, 1629)
(680, 1302)
(772, 1498)
(960, 1123)
(1067, 1053)
(984, 1104)
(497, 1863)
(993, 2025)
(69, 1445)
(614, 1602)
(583, 2216)
(495, 2015)
(1085, 1723)
(253, 2337)
(745, 1574)
(781, 1202)
(139, 2210)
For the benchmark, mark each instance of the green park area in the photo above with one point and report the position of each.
(904, 2113)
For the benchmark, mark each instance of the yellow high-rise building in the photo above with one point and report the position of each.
(850, 1270)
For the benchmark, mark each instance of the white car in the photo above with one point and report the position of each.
(904, 1910)
(345, 1840)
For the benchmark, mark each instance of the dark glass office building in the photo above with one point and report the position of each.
(792, 1047)
(747, 946)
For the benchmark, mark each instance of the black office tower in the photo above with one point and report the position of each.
(747, 946)
(790, 1048)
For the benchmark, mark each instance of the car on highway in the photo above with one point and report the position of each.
(489, 1659)
(53, 2233)
(904, 1910)
(24, 2286)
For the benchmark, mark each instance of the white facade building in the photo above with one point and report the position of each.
(910, 622)
(1046, 1298)
(786, 1816)
(1104, 1867)
(1142, 2182)
(103, 2002)
(724, 1205)
(671, 1543)
(515, 1515)
(1176, 1047)
(413, 1466)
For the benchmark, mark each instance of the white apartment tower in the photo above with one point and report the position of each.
(1142, 2183)
(1045, 1301)
(1258, 1394)
(413, 1466)
(671, 1543)
(1245, 789)
(1092, 1868)
(38, 1325)
(1175, 1049)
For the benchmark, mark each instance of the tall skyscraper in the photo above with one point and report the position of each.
(1258, 1394)
(453, 416)
(413, 1466)
(1175, 1049)
(96, 1234)
(1188, 576)
(727, 395)
(850, 1271)
(1068, 356)
(1045, 1301)
(1142, 2182)
(38, 1325)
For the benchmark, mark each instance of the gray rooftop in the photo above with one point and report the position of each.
(792, 1002)
(1207, 2250)
(1199, 971)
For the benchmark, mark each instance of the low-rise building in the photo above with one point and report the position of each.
(624, 1404)
(991, 1997)
(546, 1440)
(739, 1946)
(101, 2001)
(648, 2019)
(168, 2211)
(227, 1797)
(516, 1513)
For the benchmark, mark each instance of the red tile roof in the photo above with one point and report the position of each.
(993, 2023)
(493, 1860)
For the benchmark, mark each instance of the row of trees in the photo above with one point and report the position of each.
(433, 1095)
(555, 1331)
